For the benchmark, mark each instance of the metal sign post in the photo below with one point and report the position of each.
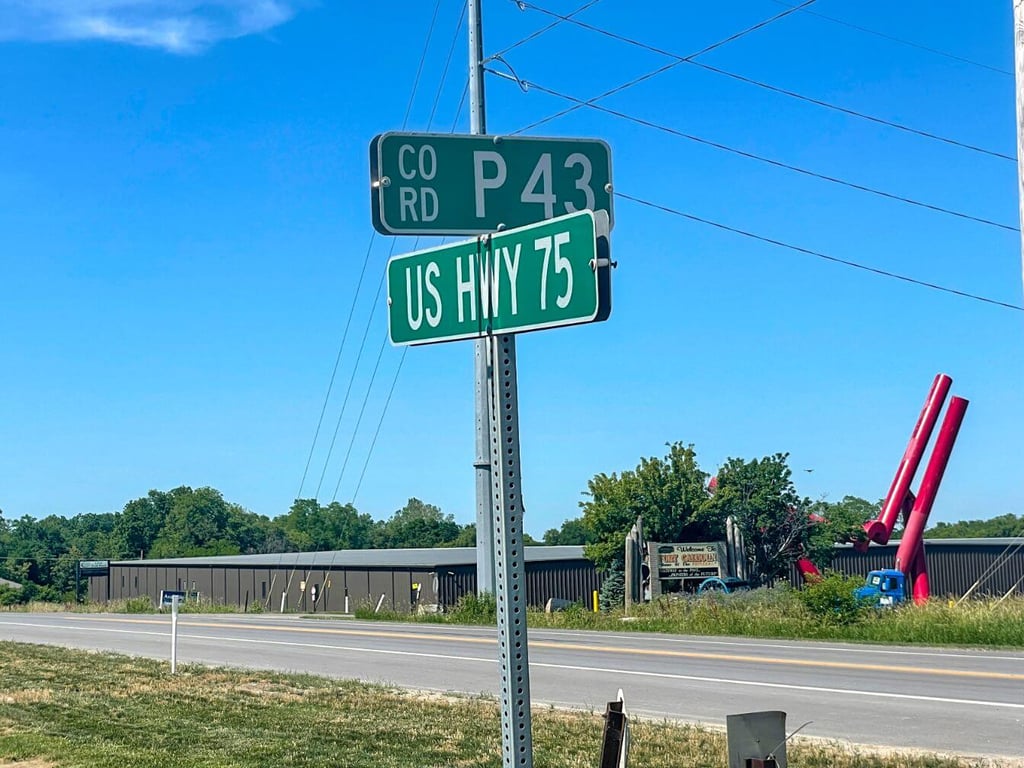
(509, 567)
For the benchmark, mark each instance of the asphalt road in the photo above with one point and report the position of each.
(960, 701)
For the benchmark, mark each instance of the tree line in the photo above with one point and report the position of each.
(676, 498)
(185, 522)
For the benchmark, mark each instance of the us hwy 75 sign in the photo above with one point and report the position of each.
(444, 184)
(543, 275)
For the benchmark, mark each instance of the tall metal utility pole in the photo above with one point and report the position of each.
(499, 486)
(482, 463)
(1018, 61)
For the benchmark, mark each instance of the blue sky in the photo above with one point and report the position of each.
(184, 214)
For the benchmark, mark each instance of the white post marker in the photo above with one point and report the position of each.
(174, 633)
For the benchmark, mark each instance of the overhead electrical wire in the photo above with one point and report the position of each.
(380, 422)
(816, 254)
(760, 158)
(369, 387)
(366, 260)
(337, 362)
(671, 65)
(447, 65)
(355, 368)
(902, 41)
(405, 350)
(539, 32)
(380, 352)
(766, 86)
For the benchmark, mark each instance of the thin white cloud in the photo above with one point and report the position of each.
(177, 26)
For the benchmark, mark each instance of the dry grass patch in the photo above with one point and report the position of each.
(28, 696)
(108, 711)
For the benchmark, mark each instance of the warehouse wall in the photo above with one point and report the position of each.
(952, 568)
(241, 586)
(573, 580)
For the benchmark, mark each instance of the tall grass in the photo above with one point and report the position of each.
(129, 605)
(779, 613)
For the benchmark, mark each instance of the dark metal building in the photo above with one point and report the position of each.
(954, 565)
(408, 578)
(345, 579)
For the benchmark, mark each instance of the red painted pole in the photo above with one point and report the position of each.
(880, 530)
(919, 585)
(912, 538)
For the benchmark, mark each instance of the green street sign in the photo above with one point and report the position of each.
(445, 184)
(544, 275)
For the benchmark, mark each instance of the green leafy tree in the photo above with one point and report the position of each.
(761, 497)
(142, 520)
(310, 525)
(572, 532)
(32, 547)
(669, 492)
(417, 524)
(196, 525)
(465, 538)
(831, 523)
(1007, 526)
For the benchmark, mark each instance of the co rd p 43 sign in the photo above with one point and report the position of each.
(544, 275)
(446, 184)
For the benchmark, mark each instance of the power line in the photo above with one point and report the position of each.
(761, 158)
(337, 361)
(817, 254)
(352, 378)
(447, 63)
(366, 260)
(380, 421)
(458, 111)
(539, 32)
(405, 350)
(902, 41)
(359, 419)
(767, 86)
(373, 376)
(423, 58)
(667, 67)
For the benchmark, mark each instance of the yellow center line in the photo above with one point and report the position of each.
(406, 635)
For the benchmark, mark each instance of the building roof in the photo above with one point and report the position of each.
(361, 558)
(9, 583)
(1016, 541)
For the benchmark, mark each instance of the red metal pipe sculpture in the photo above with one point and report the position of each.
(880, 530)
(910, 555)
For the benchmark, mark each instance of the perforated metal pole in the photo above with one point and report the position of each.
(509, 562)
(482, 380)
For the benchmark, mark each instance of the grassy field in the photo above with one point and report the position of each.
(779, 613)
(63, 708)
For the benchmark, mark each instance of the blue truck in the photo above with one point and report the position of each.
(883, 588)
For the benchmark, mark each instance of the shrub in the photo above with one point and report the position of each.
(475, 609)
(832, 599)
(138, 605)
